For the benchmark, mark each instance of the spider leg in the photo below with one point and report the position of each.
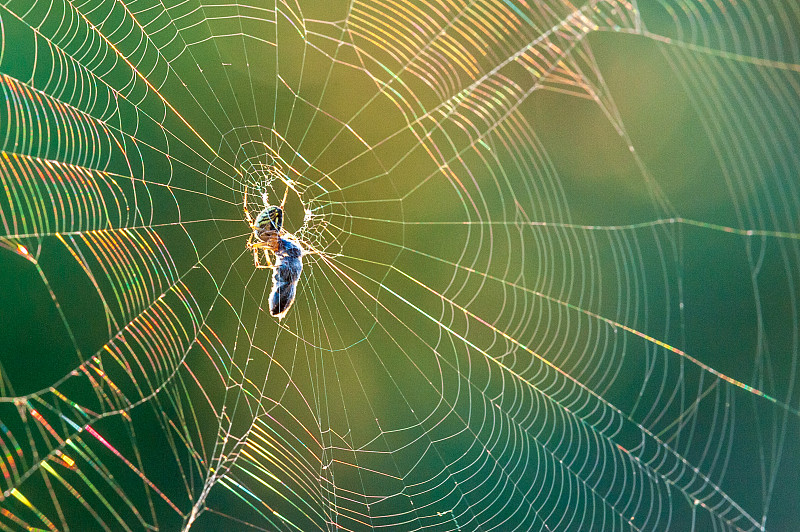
(246, 212)
(255, 247)
(285, 195)
(253, 243)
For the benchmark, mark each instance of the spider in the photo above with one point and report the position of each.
(268, 235)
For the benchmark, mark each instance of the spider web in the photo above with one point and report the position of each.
(551, 279)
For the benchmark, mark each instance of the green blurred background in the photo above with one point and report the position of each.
(481, 229)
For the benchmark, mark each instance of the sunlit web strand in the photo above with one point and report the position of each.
(724, 54)
(641, 225)
(236, 221)
(114, 91)
(354, 283)
(526, 383)
(396, 75)
(147, 82)
(609, 321)
(381, 430)
(172, 287)
(121, 132)
(465, 423)
(426, 138)
(541, 37)
(612, 114)
(311, 306)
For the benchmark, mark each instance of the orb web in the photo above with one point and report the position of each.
(550, 281)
